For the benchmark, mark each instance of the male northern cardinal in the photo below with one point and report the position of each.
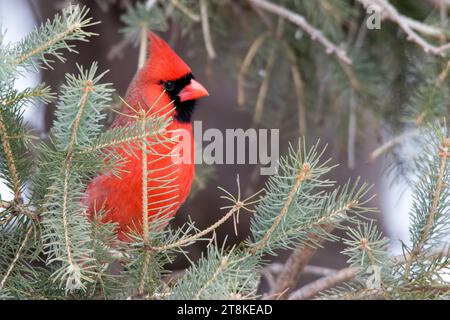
(164, 78)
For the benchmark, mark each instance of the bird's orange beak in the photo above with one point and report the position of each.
(193, 91)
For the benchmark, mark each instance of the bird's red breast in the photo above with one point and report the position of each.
(164, 79)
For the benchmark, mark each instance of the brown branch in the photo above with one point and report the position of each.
(299, 20)
(276, 268)
(332, 277)
(298, 85)
(142, 47)
(312, 289)
(409, 26)
(352, 131)
(264, 88)
(301, 256)
(251, 53)
(296, 263)
(206, 29)
(375, 154)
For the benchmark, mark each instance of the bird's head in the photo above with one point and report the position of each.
(166, 72)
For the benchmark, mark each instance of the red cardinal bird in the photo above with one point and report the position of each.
(164, 78)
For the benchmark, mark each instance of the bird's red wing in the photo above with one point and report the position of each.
(121, 197)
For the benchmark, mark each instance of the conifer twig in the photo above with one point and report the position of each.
(16, 258)
(145, 225)
(87, 89)
(72, 28)
(301, 177)
(65, 205)
(444, 154)
(299, 20)
(12, 168)
(202, 233)
(223, 265)
(59, 37)
(234, 209)
(301, 256)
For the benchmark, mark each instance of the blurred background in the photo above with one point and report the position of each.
(327, 107)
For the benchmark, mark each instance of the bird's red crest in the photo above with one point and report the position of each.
(163, 63)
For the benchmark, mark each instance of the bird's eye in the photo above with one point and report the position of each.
(169, 86)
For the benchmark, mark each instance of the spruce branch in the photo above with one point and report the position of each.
(426, 103)
(437, 197)
(145, 227)
(139, 19)
(16, 166)
(301, 176)
(10, 159)
(66, 229)
(82, 101)
(233, 210)
(87, 89)
(53, 36)
(145, 224)
(366, 246)
(67, 242)
(126, 136)
(40, 93)
(224, 263)
(220, 274)
(299, 20)
(16, 257)
(296, 205)
(299, 259)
